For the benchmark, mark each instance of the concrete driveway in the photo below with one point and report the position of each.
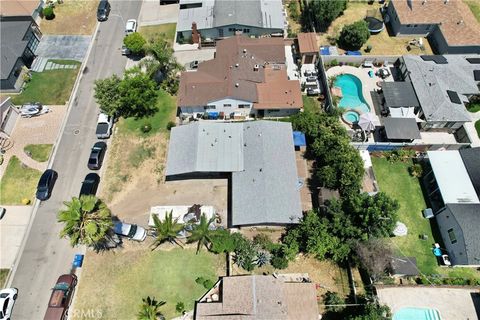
(63, 47)
(12, 229)
(153, 13)
(452, 303)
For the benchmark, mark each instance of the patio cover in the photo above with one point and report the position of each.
(401, 128)
(399, 94)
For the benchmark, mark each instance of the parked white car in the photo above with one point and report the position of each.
(131, 26)
(7, 300)
(104, 126)
(131, 231)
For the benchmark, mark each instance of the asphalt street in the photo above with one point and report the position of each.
(45, 255)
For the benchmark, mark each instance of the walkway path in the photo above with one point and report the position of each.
(37, 130)
(471, 131)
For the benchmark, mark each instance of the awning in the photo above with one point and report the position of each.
(401, 128)
(399, 94)
(299, 139)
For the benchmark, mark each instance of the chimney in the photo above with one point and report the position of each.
(195, 34)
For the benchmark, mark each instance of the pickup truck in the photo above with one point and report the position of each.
(61, 297)
(104, 126)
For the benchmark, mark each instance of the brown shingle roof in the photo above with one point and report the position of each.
(13, 8)
(233, 74)
(261, 297)
(457, 23)
(307, 42)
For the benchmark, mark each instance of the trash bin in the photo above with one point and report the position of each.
(78, 261)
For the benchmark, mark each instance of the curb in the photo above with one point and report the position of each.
(13, 270)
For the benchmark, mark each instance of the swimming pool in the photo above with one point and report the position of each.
(351, 116)
(417, 314)
(352, 96)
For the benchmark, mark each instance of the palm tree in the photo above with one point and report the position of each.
(150, 309)
(166, 230)
(201, 232)
(87, 221)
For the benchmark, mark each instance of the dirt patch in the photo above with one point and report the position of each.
(72, 18)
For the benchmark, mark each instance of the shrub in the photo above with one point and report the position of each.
(353, 36)
(206, 283)
(146, 127)
(415, 170)
(331, 299)
(170, 125)
(263, 258)
(48, 13)
(135, 42)
(334, 63)
(263, 241)
(279, 262)
(180, 307)
(222, 241)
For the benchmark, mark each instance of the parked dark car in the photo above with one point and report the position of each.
(45, 184)
(103, 10)
(61, 297)
(96, 155)
(90, 184)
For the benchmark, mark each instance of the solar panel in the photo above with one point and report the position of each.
(476, 75)
(435, 58)
(454, 97)
(474, 60)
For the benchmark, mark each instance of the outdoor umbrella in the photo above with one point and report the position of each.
(366, 121)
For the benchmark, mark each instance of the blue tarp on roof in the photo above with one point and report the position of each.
(353, 53)
(299, 139)
(325, 51)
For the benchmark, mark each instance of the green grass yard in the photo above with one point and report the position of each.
(38, 152)
(166, 31)
(394, 180)
(477, 127)
(18, 183)
(3, 276)
(50, 86)
(115, 283)
(166, 112)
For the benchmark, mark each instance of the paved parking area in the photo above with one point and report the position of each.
(12, 229)
(63, 47)
(452, 303)
(153, 13)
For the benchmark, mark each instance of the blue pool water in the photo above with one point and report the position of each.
(351, 116)
(352, 97)
(417, 314)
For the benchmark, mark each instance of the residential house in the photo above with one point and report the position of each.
(21, 8)
(451, 186)
(435, 90)
(8, 115)
(249, 297)
(256, 157)
(217, 19)
(450, 26)
(20, 37)
(247, 77)
(308, 47)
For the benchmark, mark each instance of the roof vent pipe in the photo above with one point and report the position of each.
(237, 85)
(244, 50)
(255, 67)
(236, 65)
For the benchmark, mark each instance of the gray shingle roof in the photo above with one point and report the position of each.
(431, 82)
(12, 43)
(471, 159)
(260, 156)
(468, 217)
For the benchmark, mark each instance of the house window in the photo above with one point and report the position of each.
(409, 25)
(246, 30)
(231, 29)
(228, 105)
(451, 235)
(210, 107)
(244, 106)
(415, 25)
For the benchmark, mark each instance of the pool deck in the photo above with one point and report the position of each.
(452, 303)
(368, 84)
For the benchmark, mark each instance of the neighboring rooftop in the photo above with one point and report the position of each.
(259, 297)
(260, 157)
(431, 80)
(452, 177)
(218, 13)
(307, 42)
(399, 94)
(468, 217)
(403, 128)
(13, 43)
(454, 18)
(15, 8)
(251, 70)
(471, 160)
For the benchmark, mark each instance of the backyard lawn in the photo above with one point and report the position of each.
(50, 86)
(166, 112)
(3, 276)
(18, 183)
(394, 180)
(72, 17)
(114, 283)
(166, 31)
(38, 152)
(382, 43)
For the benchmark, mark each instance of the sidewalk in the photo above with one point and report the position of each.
(12, 231)
(471, 131)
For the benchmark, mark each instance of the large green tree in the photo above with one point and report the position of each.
(166, 230)
(353, 36)
(202, 232)
(86, 220)
(135, 42)
(320, 14)
(107, 94)
(150, 309)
